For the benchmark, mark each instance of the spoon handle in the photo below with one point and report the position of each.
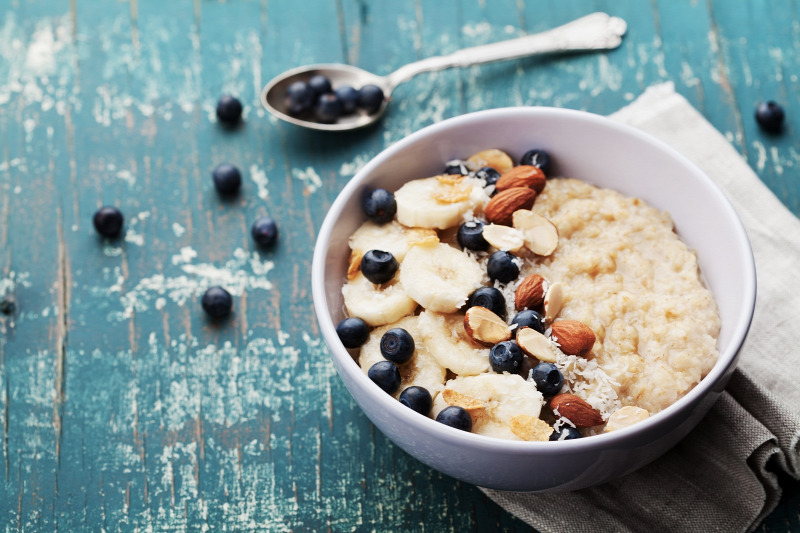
(597, 31)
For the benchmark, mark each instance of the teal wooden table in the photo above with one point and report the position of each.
(122, 407)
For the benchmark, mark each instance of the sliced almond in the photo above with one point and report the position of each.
(522, 176)
(529, 293)
(541, 235)
(485, 327)
(503, 205)
(573, 337)
(536, 345)
(625, 416)
(553, 301)
(497, 159)
(503, 238)
(530, 428)
(576, 410)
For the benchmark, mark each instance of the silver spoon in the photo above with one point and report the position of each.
(597, 31)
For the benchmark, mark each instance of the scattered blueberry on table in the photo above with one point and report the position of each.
(455, 417)
(217, 302)
(386, 375)
(7, 306)
(229, 109)
(417, 399)
(770, 116)
(379, 266)
(227, 178)
(265, 232)
(353, 332)
(108, 221)
(397, 345)
(379, 205)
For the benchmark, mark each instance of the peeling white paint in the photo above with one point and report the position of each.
(259, 177)
(309, 178)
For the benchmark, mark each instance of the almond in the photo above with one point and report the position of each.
(625, 416)
(575, 410)
(497, 159)
(485, 327)
(574, 338)
(500, 209)
(529, 293)
(541, 235)
(553, 301)
(522, 176)
(503, 238)
(536, 345)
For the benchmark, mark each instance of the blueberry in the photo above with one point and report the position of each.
(7, 306)
(548, 378)
(505, 356)
(488, 174)
(491, 298)
(470, 236)
(320, 84)
(217, 302)
(379, 266)
(386, 375)
(264, 231)
(397, 345)
(568, 432)
(108, 221)
(348, 96)
(769, 116)
(418, 399)
(299, 98)
(370, 98)
(456, 167)
(503, 267)
(537, 158)
(353, 332)
(227, 178)
(229, 109)
(328, 108)
(529, 319)
(379, 206)
(455, 417)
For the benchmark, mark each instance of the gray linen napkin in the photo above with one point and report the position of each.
(723, 475)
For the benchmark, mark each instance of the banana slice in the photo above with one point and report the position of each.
(377, 304)
(393, 237)
(439, 277)
(421, 370)
(439, 202)
(508, 400)
(449, 344)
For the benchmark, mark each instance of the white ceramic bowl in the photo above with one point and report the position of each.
(599, 151)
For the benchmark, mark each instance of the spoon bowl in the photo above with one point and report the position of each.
(597, 31)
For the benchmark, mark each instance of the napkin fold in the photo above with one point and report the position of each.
(724, 475)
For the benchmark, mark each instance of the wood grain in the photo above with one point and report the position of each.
(122, 406)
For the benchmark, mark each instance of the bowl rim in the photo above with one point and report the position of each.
(724, 364)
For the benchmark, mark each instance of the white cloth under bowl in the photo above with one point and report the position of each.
(724, 475)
